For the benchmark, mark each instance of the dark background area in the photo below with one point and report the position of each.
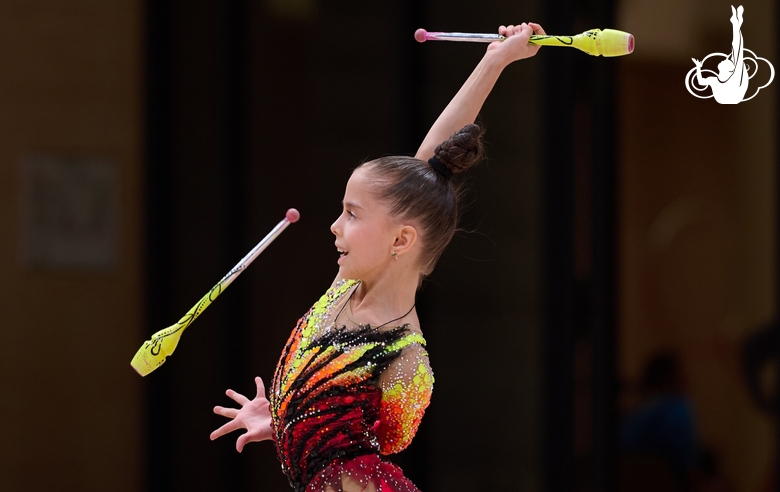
(616, 217)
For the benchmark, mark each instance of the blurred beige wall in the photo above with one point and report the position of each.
(697, 220)
(70, 90)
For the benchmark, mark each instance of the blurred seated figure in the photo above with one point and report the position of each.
(658, 441)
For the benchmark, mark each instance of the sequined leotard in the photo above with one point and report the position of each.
(344, 395)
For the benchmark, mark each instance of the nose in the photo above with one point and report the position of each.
(334, 227)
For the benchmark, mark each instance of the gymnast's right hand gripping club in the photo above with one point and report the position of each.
(608, 42)
(153, 352)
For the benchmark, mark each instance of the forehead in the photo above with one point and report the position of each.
(360, 185)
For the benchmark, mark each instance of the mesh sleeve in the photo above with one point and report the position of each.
(406, 392)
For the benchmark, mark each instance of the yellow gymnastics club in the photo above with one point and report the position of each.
(608, 42)
(153, 352)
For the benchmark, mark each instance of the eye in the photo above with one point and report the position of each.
(351, 214)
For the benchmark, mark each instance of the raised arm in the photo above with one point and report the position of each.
(465, 106)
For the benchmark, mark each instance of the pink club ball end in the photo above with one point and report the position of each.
(419, 35)
(293, 215)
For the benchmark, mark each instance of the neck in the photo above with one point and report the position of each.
(378, 300)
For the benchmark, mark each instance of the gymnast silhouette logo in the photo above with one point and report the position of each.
(730, 84)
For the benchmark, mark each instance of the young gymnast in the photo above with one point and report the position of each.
(354, 380)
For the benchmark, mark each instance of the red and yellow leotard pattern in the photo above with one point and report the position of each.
(344, 395)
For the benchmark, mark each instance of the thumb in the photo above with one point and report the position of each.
(260, 387)
(246, 438)
(241, 442)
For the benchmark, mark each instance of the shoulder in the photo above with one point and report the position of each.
(336, 291)
(340, 286)
(405, 338)
(340, 280)
(409, 374)
(411, 323)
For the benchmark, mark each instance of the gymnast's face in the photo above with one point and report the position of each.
(365, 230)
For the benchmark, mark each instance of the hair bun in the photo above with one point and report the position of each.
(462, 150)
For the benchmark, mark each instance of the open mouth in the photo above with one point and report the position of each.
(342, 253)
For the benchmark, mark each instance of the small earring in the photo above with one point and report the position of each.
(394, 255)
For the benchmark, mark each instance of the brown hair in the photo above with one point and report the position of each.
(416, 191)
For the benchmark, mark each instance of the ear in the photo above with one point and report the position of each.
(405, 239)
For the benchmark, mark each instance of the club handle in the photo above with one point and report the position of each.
(468, 37)
(254, 253)
(156, 350)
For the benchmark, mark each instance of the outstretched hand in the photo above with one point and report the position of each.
(254, 416)
(515, 46)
